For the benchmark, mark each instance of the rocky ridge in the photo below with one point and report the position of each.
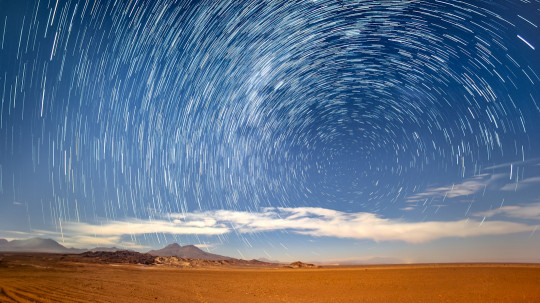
(299, 264)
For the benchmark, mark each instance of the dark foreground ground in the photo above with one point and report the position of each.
(57, 278)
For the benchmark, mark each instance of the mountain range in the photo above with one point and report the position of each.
(45, 246)
(51, 246)
(41, 245)
(188, 251)
(36, 245)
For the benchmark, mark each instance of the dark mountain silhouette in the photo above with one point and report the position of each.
(35, 245)
(47, 246)
(188, 251)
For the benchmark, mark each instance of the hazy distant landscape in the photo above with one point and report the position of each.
(171, 255)
(41, 270)
(124, 276)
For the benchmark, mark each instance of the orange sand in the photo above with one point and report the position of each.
(48, 278)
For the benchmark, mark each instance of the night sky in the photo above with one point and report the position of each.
(319, 130)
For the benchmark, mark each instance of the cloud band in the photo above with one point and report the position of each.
(319, 222)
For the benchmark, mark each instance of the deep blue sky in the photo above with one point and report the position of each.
(321, 130)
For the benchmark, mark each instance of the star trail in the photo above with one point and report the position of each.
(233, 123)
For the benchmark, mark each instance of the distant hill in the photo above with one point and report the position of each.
(105, 249)
(369, 261)
(266, 260)
(46, 246)
(118, 256)
(171, 255)
(35, 245)
(188, 251)
(299, 264)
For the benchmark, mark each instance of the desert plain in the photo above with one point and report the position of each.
(37, 277)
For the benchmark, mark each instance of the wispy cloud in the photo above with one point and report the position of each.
(86, 240)
(530, 211)
(14, 234)
(137, 227)
(502, 177)
(319, 222)
(520, 185)
(466, 188)
(530, 162)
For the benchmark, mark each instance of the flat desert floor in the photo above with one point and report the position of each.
(50, 278)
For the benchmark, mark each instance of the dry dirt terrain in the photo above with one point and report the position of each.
(61, 278)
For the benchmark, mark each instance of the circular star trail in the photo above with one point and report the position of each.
(117, 109)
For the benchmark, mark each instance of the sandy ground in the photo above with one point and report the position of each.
(46, 278)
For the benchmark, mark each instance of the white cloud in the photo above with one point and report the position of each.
(82, 240)
(466, 188)
(519, 185)
(531, 211)
(137, 226)
(302, 220)
(91, 241)
(330, 223)
(534, 161)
